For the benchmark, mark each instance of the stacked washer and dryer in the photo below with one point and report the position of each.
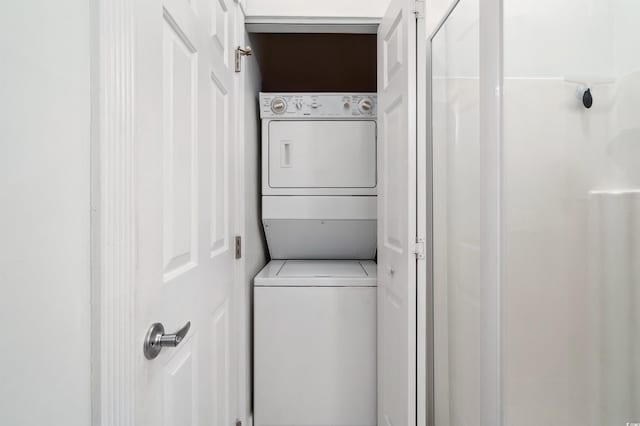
(315, 302)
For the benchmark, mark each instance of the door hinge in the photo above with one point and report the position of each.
(240, 52)
(419, 9)
(238, 247)
(419, 248)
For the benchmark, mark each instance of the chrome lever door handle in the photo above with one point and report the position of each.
(156, 339)
(173, 340)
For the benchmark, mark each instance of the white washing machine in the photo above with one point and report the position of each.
(315, 303)
(315, 343)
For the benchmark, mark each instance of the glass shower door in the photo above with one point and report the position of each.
(456, 221)
(569, 215)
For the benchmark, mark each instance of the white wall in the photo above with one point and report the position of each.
(255, 246)
(304, 8)
(44, 214)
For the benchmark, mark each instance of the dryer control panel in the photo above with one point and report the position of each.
(318, 105)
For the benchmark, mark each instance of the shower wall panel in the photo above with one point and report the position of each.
(558, 158)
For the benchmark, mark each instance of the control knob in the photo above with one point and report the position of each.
(365, 105)
(278, 105)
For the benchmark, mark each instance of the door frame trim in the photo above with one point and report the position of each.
(491, 31)
(491, 22)
(239, 291)
(424, 227)
(312, 24)
(113, 217)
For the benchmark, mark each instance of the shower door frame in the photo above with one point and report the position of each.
(491, 85)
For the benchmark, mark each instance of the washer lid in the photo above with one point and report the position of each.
(303, 273)
(322, 268)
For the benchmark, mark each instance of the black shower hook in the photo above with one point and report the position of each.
(587, 98)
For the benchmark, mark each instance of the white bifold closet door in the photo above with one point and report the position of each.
(396, 215)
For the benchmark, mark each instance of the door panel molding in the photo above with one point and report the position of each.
(180, 105)
(181, 372)
(113, 216)
(219, 144)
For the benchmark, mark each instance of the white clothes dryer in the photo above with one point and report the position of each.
(319, 178)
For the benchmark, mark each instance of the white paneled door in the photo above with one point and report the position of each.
(396, 215)
(184, 213)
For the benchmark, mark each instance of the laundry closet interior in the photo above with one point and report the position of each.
(314, 328)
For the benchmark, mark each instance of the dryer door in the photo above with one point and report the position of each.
(322, 154)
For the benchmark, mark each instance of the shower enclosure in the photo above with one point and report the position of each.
(535, 158)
